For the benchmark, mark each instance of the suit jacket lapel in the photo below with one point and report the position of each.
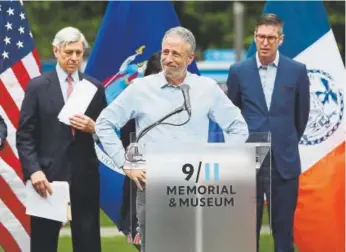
(54, 91)
(279, 80)
(257, 85)
(80, 75)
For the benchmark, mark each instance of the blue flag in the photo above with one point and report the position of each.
(130, 33)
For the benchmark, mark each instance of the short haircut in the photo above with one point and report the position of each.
(69, 35)
(270, 19)
(183, 33)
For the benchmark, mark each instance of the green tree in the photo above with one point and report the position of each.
(211, 22)
(336, 16)
(47, 17)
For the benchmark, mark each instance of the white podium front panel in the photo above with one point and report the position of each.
(200, 198)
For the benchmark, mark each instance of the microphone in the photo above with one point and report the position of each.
(185, 90)
(186, 106)
(134, 155)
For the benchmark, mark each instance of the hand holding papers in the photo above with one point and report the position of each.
(54, 207)
(78, 101)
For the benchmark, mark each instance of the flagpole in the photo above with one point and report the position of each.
(238, 13)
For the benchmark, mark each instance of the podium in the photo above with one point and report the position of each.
(199, 197)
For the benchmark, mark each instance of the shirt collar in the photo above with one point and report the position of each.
(275, 63)
(164, 83)
(63, 75)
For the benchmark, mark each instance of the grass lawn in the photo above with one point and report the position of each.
(265, 216)
(108, 244)
(119, 244)
(104, 220)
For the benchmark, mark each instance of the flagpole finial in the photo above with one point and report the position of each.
(140, 49)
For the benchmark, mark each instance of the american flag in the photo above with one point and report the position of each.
(19, 62)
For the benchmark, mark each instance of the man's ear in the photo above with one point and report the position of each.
(191, 58)
(55, 51)
(281, 39)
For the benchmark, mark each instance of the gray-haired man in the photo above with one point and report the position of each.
(154, 96)
(52, 151)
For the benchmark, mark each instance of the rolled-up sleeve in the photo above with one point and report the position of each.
(228, 117)
(113, 118)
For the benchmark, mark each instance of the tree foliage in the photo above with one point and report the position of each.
(211, 22)
(47, 17)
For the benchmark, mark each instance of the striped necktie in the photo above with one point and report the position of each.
(69, 80)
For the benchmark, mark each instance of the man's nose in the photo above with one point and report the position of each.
(74, 56)
(169, 58)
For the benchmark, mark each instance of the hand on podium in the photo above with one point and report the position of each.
(137, 175)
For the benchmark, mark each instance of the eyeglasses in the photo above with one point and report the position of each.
(270, 39)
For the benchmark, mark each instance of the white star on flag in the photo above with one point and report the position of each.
(10, 12)
(21, 29)
(22, 16)
(8, 26)
(19, 44)
(5, 55)
(7, 40)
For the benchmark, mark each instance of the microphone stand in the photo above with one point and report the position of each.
(153, 125)
(136, 156)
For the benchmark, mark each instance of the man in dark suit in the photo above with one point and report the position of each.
(3, 132)
(52, 151)
(272, 92)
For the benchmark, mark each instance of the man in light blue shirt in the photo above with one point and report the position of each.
(267, 75)
(150, 98)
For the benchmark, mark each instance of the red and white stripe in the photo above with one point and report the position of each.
(14, 223)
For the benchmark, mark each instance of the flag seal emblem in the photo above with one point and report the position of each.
(327, 108)
(129, 70)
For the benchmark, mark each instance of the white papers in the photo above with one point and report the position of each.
(78, 101)
(54, 207)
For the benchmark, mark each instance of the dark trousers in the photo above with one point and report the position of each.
(85, 224)
(282, 200)
(129, 223)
